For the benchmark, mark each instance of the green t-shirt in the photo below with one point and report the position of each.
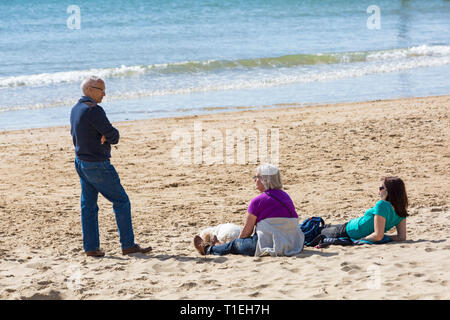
(363, 226)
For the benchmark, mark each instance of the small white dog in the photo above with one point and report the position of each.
(220, 234)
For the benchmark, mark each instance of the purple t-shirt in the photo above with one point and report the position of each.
(264, 206)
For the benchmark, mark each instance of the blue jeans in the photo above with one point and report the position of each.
(101, 177)
(246, 246)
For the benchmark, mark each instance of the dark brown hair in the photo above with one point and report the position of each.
(397, 195)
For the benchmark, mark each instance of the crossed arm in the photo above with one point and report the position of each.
(98, 119)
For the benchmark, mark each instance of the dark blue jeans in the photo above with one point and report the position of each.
(335, 231)
(246, 246)
(101, 177)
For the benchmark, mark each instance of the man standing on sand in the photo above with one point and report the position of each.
(93, 135)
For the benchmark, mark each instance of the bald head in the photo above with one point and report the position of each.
(94, 87)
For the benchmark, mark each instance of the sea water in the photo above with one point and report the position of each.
(179, 57)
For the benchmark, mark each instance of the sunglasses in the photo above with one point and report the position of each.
(382, 188)
(98, 88)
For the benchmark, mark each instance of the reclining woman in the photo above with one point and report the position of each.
(390, 211)
(272, 214)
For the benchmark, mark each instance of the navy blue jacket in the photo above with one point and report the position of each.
(88, 123)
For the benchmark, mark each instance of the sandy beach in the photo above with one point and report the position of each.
(331, 157)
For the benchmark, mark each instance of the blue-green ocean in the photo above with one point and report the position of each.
(179, 57)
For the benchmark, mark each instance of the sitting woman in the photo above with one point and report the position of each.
(390, 211)
(273, 214)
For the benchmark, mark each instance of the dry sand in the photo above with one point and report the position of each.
(331, 157)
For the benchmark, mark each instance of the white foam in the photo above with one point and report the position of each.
(416, 57)
(69, 76)
(419, 51)
(45, 79)
(287, 79)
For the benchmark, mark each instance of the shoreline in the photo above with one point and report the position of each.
(331, 156)
(212, 110)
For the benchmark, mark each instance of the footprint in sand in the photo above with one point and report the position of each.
(209, 281)
(262, 286)
(167, 267)
(187, 286)
(51, 295)
(349, 267)
(39, 266)
(323, 293)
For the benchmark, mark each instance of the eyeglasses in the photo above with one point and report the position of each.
(382, 188)
(98, 88)
(254, 177)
